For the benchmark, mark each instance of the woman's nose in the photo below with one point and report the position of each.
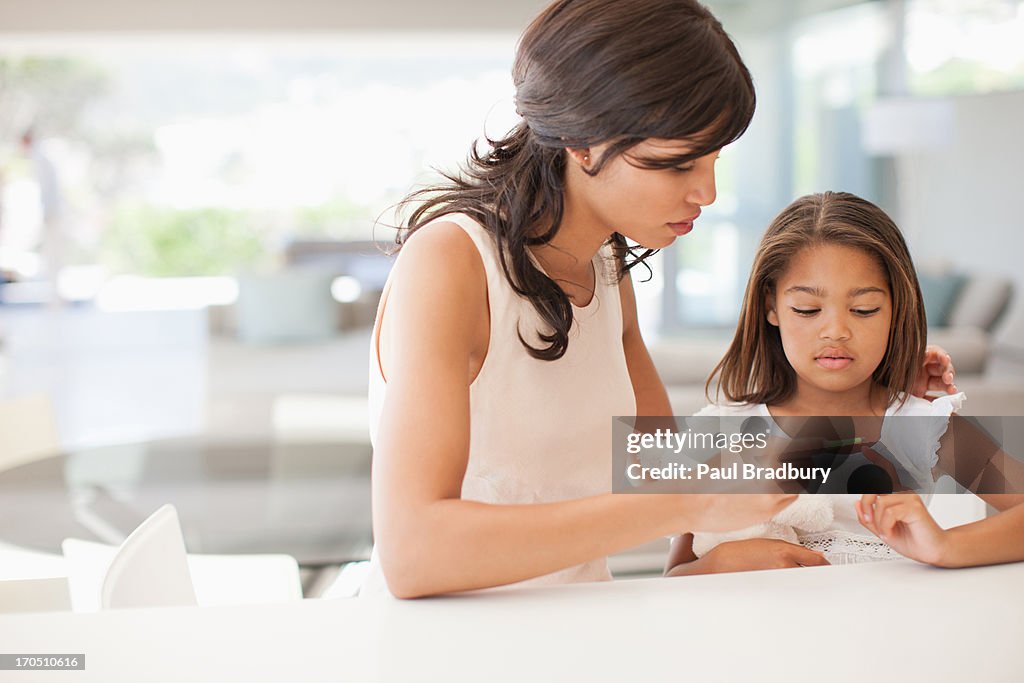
(703, 191)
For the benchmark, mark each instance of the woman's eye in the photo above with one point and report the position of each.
(807, 312)
(683, 169)
(867, 311)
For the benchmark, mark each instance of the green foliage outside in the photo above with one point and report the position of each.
(339, 218)
(165, 242)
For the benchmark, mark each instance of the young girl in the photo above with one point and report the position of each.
(833, 325)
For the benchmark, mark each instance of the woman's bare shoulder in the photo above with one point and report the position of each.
(436, 295)
(442, 252)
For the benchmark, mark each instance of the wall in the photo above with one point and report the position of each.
(264, 15)
(961, 203)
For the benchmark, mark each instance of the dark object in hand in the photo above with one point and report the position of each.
(869, 479)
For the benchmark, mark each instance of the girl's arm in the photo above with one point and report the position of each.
(433, 323)
(977, 463)
(751, 554)
(903, 522)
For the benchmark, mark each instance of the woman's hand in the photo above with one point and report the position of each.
(750, 555)
(937, 373)
(902, 520)
(727, 512)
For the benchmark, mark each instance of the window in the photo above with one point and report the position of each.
(957, 47)
(198, 156)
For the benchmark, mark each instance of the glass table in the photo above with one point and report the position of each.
(309, 500)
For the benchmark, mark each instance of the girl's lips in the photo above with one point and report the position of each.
(833, 363)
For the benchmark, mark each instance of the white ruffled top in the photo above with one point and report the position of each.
(828, 523)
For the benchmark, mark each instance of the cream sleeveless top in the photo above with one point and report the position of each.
(540, 431)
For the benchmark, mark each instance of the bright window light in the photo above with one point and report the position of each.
(131, 293)
(346, 289)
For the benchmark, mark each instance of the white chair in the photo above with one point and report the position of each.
(344, 583)
(151, 569)
(34, 595)
(17, 562)
(28, 430)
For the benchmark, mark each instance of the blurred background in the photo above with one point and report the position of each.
(189, 191)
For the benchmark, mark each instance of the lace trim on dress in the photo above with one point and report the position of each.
(841, 547)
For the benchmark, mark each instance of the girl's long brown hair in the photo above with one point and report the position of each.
(755, 369)
(588, 72)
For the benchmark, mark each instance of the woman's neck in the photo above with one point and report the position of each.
(866, 399)
(567, 257)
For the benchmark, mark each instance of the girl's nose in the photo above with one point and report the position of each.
(835, 329)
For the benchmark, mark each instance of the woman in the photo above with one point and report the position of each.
(507, 336)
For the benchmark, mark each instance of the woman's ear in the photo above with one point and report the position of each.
(580, 154)
(769, 303)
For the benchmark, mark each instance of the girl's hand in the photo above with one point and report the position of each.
(937, 373)
(902, 520)
(750, 555)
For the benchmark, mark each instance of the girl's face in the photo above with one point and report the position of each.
(651, 207)
(833, 309)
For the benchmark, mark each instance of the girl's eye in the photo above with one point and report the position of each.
(867, 311)
(806, 312)
(683, 169)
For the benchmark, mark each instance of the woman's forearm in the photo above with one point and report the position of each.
(993, 540)
(457, 545)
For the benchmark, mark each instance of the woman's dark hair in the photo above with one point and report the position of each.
(755, 368)
(589, 72)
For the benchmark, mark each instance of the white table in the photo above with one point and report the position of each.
(881, 622)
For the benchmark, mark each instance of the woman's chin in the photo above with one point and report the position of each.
(654, 242)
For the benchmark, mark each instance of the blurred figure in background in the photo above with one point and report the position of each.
(51, 237)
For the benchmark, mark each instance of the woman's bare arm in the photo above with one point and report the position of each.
(978, 463)
(429, 540)
(651, 396)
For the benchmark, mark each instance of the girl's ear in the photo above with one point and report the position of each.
(773, 317)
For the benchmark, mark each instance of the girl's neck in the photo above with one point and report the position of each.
(866, 399)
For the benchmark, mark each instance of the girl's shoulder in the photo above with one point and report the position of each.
(733, 410)
(943, 406)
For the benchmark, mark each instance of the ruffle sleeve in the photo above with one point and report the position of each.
(912, 434)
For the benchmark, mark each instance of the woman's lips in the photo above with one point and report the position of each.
(681, 229)
(685, 226)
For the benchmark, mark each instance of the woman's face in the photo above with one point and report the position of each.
(651, 207)
(833, 309)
